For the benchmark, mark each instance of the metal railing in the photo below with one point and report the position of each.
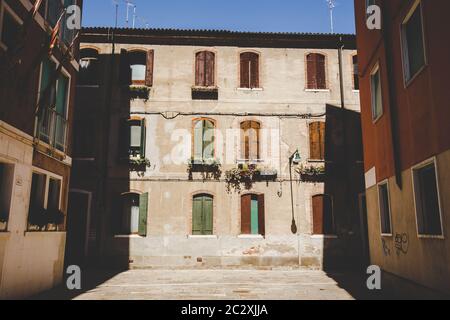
(53, 129)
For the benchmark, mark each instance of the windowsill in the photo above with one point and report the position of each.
(387, 235)
(355, 91)
(317, 90)
(431, 237)
(130, 236)
(374, 121)
(324, 236)
(202, 88)
(29, 232)
(5, 234)
(251, 236)
(203, 237)
(250, 89)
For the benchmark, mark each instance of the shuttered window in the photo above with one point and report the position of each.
(136, 67)
(355, 72)
(427, 201)
(249, 70)
(317, 140)
(250, 135)
(385, 208)
(204, 139)
(376, 94)
(202, 215)
(134, 214)
(132, 138)
(204, 69)
(323, 222)
(413, 44)
(252, 215)
(316, 75)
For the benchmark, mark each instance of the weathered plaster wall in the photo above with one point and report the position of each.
(423, 260)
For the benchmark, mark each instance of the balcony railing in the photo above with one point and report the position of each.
(53, 129)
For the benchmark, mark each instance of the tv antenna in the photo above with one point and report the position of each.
(331, 6)
(130, 4)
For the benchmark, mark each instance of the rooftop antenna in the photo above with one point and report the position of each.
(134, 16)
(129, 4)
(331, 6)
(116, 3)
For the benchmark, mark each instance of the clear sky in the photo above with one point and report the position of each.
(238, 15)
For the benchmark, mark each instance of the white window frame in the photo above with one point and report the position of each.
(416, 195)
(3, 7)
(49, 175)
(376, 69)
(407, 78)
(385, 183)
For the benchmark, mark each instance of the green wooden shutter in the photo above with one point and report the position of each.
(261, 215)
(143, 212)
(245, 214)
(197, 216)
(208, 140)
(198, 140)
(207, 215)
(254, 217)
(143, 139)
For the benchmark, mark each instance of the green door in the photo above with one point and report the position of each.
(202, 215)
(254, 215)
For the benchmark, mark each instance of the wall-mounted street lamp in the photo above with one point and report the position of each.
(294, 159)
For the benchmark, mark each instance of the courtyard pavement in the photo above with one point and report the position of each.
(217, 285)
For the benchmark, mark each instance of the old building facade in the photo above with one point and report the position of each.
(404, 104)
(187, 143)
(37, 76)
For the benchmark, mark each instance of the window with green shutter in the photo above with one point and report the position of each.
(202, 215)
(252, 214)
(204, 139)
(137, 138)
(134, 214)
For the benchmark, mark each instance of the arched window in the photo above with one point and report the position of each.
(138, 61)
(316, 75)
(323, 221)
(317, 140)
(204, 69)
(252, 214)
(204, 139)
(202, 215)
(250, 132)
(249, 70)
(134, 209)
(136, 67)
(89, 68)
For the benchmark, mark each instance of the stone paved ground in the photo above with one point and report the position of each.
(218, 285)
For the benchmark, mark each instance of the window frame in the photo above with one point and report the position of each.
(309, 123)
(97, 60)
(191, 228)
(250, 88)
(5, 7)
(407, 78)
(263, 214)
(376, 69)
(12, 166)
(131, 51)
(194, 123)
(327, 84)
(242, 143)
(215, 72)
(379, 185)
(333, 221)
(352, 56)
(416, 195)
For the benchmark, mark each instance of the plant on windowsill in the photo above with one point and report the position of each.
(209, 169)
(37, 218)
(139, 165)
(311, 173)
(244, 175)
(55, 218)
(139, 92)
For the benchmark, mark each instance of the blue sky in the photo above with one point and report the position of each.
(243, 15)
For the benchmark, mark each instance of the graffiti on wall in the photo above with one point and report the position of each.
(401, 243)
(386, 249)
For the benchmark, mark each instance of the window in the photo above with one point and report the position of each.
(204, 140)
(10, 28)
(204, 69)
(89, 68)
(355, 72)
(317, 141)
(377, 103)
(252, 215)
(427, 201)
(250, 132)
(6, 186)
(202, 215)
(137, 67)
(315, 71)
(134, 214)
(132, 140)
(385, 209)
(323, 223)
(249, 70)
(413, 43)
(53, 102)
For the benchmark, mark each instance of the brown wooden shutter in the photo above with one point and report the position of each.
(317, 204)
(209, 68)
(245, 142)
(261, 215)
(314, 140)
(200, 69)
(246, 201)
(245, 69)
(311, 82)
(322, 140)
(320, 71)
(149, 68)
(254, 68)
(125, 70)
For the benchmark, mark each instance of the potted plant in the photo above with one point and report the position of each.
(37, 218)
(139, 165)
(55, 217)
(311, 173)
(209, 168)
(139, 92)
(244, 175)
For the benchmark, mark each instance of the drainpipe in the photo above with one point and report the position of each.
(341, 77)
